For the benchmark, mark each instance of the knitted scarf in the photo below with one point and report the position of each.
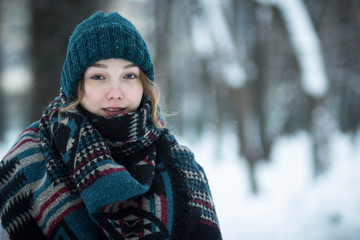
(73, 175)
(78, 148)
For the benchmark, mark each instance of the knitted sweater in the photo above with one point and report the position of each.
(82, 178)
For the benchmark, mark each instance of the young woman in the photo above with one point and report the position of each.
(100, 164)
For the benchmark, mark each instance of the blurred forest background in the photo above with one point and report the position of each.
(256, 65)
(261, 68)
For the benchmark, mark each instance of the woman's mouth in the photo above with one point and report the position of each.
(112, 112)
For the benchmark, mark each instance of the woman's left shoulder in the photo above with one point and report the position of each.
(181, 153)
(182, 156)
(202, 222)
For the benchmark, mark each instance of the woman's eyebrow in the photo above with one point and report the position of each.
(130, 66)
(99, 65)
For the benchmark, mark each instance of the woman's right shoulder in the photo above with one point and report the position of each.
(27, 143)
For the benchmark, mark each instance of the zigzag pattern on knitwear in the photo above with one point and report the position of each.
(51, 220)
(87, 136)
(197, 183)
(89, 156)
(205, 205)
(131, 148)
(195, 175)
(14, 201)
(86, 165)
(12, 188)
(19, 217)
(100, 171)
(95, 146)
(210, 222)
(34, 186)
(196, 180)
(7, 170)
(180, 148)
(204, 197)
(57, 174)
(203, 201)
(159, 208)
(133, 129)
(141, 216)
(87, 169)
(15, 165)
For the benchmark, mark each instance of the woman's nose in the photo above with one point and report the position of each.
(115, 92)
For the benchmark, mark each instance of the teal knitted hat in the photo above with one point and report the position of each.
(102, 37)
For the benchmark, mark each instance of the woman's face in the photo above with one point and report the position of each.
(111, 87)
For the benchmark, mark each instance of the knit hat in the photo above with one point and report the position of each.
(102, 37)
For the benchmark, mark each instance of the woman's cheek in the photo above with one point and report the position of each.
(92, 96)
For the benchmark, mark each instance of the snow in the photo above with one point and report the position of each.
(291, 203)
(16, 80)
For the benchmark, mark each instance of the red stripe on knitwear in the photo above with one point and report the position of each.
(62, 216)
(87, 160)
(209, 223)
(31, 129)
(111, 170)
(20, 144)
(95, 177)
(206, 204)
(163, 209)
(49, 201)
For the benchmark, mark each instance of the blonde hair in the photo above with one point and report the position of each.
(151, 90)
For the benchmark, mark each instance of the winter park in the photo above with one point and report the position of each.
(265, 93)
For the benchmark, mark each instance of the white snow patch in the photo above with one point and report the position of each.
(291, 203)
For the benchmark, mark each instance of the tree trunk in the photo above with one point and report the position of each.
(2, 97)
(162, 31)
(52, 25)
(248, 130)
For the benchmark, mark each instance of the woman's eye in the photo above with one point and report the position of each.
(130, 76)
(97, 77)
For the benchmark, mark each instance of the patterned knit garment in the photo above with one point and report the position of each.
(77, 176)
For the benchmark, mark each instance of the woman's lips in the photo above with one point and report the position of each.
(112, 112)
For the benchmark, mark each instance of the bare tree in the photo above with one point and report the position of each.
(52, 24)
(338, 25)
(2, 97)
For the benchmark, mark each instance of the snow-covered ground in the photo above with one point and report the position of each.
(291, 204)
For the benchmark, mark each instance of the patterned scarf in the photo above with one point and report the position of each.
(78, 147)
(121, 178)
